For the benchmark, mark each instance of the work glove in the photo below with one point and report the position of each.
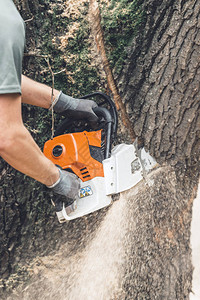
(78, 109)
(67, 188)
(67, 185)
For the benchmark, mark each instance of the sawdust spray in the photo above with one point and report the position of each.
(94, 273)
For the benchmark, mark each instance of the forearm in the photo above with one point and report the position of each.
(22, 153)
(17, 146)
(37, 94)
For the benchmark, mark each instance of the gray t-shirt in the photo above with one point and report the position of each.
(12, 39)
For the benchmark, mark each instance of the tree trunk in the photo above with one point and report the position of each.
(159, 86)
(160, 82)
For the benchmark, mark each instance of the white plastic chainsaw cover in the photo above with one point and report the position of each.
(92, 196)
(123, 170)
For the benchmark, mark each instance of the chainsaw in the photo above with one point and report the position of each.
(104, 171)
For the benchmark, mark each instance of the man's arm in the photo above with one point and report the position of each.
(36, 93)
(17, 146)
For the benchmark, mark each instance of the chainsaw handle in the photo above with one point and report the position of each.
(113, 110)
(105, 114)
(108, 116)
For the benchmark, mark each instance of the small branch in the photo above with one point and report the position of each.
(26, 21)
(35, 54)
(59, 72)
(52, 95)
(47, 59)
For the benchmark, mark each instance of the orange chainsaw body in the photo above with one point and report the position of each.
(79, 152)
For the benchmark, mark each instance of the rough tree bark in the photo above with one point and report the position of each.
(159, 85)
(160, 82)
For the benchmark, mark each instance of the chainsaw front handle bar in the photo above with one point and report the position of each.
(106, 116)
(104, 113)
(108, 121)
(113, 110)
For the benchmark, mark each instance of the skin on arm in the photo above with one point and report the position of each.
(17, 146)
(36, 93)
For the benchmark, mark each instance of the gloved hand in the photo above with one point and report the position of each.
(76, 108)
(67, 185)
(67, 188)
